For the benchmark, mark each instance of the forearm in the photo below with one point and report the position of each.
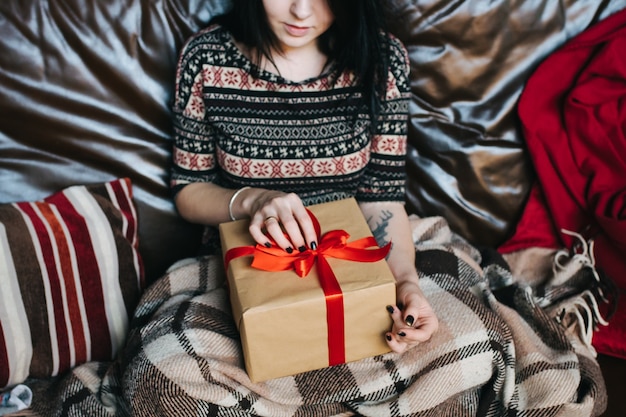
(389, 223)
(207, 203)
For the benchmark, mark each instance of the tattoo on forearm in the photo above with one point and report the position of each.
(379, 228)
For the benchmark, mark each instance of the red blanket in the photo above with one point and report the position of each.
(573, 111)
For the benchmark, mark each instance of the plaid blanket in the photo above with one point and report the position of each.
(497, 353)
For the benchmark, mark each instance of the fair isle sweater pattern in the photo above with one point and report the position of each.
(237, 129)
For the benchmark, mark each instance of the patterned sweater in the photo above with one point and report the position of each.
(309, 137)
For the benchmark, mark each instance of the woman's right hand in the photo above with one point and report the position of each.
(279, 216)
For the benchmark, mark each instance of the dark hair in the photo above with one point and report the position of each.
(357, 41)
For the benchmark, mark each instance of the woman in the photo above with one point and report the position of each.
(287, 103)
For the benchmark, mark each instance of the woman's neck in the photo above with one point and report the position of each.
(294, 65)
(298, 64)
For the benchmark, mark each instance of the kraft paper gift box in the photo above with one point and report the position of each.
(286, 322)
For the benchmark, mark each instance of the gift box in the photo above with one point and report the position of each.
(314, 309)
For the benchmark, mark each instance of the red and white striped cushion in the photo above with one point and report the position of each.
(70, 276)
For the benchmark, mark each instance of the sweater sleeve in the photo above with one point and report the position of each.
(385, 176)
(194, 150)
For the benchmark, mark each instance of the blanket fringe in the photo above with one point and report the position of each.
(574, 289)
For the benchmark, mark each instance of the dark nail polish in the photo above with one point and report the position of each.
(390, 309)
(289, 249)
(268, 245)
(401, 334)
(388, 337)
(410, 320)
(313, 245)
(302, 248)
(400, 306)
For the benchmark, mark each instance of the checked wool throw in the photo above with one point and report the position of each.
(496, 354)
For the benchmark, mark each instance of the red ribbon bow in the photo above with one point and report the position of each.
(332, 244)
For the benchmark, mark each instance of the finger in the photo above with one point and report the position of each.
(395, 343)
(426, 328)
(416, 311)
(274, 229)
(305, 226)
(396, 317)
(405, 336)
(301, 231)
(265, 229)
(395, 338)
(256, 231)
(292, 228)
(413, 336)
(421, 331)
(296, 221)
(421, 317)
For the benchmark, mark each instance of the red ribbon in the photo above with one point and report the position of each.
(332, 244)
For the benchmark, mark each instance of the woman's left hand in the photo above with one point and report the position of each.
(415, 322)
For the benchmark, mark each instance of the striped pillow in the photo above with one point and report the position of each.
(70, 276)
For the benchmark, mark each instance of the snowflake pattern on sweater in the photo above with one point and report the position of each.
(237, 129)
